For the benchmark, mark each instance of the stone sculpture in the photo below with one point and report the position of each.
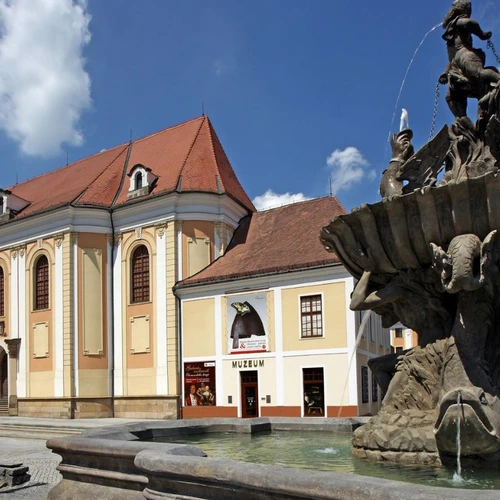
(466, 74)
(428, 255)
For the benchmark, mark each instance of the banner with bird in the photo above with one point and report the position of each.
(247, 323)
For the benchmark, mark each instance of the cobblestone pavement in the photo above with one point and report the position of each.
(42, 465)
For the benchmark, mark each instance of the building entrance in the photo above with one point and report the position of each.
(249, 394)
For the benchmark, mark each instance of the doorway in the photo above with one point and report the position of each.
(249, 394)
(314, 392)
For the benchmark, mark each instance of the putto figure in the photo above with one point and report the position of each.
(466, 74)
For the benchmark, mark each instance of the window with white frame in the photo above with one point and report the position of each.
(311, 316)
(141, 181)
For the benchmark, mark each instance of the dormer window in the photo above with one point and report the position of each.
(141, 181)
(10, 204)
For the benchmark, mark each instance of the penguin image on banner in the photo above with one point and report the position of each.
(247, 329)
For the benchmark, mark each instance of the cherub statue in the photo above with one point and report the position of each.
(466, 74)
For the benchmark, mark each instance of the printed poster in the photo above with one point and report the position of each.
(247, 323)
(199, 383)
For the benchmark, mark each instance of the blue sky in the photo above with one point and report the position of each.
(298, 91)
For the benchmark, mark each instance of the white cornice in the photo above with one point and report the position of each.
(56, 221)
(179, 206)
(176, 206)
(314, 276)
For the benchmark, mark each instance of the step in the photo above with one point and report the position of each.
(38, 431)
(4, 406)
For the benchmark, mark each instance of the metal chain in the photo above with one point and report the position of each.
(435, 112)
(437, 95)
(492, 48)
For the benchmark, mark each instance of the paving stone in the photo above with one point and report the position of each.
(42, 465)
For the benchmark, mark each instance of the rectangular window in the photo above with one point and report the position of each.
(374, 389)
(399, 349)
(311, 316)
(314, 393)
(399, 333)
(364, 384)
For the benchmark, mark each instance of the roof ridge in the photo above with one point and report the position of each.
(302, 202)
(211, 132)
(213, 138)
(75, 200)
(65, 166)
(124, 174)
(190, 150)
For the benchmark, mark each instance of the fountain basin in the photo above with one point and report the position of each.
(114, 463)
(399, 231)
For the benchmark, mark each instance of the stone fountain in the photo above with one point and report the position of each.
(428, 255)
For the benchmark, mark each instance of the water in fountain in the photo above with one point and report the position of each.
(457, 477)
(361, 330)
(403, 84)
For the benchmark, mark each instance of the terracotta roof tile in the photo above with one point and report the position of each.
(275, 241)
(65, 185)
(104, 188)
(190, 149)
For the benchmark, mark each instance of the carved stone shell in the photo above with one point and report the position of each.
(397, 233)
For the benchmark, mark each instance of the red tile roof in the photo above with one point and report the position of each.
(274, 241)
(186, 158)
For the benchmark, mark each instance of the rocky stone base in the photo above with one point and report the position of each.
(390, 436)
(401, 457)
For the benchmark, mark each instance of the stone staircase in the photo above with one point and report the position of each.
(4, 406)
(36, 430)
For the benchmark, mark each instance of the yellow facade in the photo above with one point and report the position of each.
(334, 318)
(198, 327)
(67, 353)
(282, 369)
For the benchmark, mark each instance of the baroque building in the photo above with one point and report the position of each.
(123, 284)
(89, 254)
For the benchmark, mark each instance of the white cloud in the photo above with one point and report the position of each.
(271, 200)
(348, 167)
(44, 88)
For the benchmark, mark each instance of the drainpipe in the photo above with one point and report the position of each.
(179, 356)
(111, 334)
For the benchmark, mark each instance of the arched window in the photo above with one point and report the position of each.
(41, 284)
(140, 274)
(138, 180)
(2, 292)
